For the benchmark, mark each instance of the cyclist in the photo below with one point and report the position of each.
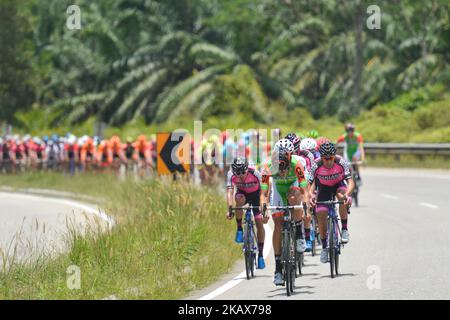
(129, 152)
(248, 184)
(53, 153)
(354, 146)
(104, 154)
(71, 153)
(20, 157)
(288, 186)
(7, 154)
(332, 178)
(87, 152)
(118, 154)
(142, 154)
(39, 149)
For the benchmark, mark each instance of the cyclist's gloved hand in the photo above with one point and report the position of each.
(230, 213)
(348, 201)
(312, 201)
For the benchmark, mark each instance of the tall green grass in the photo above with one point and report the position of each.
(169, 238)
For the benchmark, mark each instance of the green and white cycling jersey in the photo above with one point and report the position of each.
(295, 177)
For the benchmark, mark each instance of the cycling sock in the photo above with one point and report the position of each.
(277, 264)
(324, 243)
(298, 230)
(344, 224)
(260, 248)
(239, 224)
(308, 234)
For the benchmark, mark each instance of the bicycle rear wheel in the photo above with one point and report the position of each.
(248, 263)
(287, 259)
(248, 252)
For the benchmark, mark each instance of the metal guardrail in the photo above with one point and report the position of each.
(420, 149)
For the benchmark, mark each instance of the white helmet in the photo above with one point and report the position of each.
(71, 140)
(284, 144)
(308, 144)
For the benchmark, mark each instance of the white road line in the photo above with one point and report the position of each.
(429, 205)
(238, 279)
(69, 203)
(388, 196)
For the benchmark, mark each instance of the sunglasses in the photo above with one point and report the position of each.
(240, 173)
(328, 158)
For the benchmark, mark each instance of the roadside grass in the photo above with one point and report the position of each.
(169, 239)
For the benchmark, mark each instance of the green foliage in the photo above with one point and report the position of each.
(161, 60)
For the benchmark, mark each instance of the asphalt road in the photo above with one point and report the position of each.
(399, 247)
(32, 225)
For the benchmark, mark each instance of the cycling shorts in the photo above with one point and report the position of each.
(327, 193)
(253, 200)
(279, 195)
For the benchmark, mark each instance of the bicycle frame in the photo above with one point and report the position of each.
(333, 235)
(250, 246)
(288, 251)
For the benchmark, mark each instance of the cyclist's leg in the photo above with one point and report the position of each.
(294, 198)
(276, 199)
(343, 210)
(240, 201)
(355, 158)
(253, 199)
(324, 194)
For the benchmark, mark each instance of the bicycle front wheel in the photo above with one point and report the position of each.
(331, 247)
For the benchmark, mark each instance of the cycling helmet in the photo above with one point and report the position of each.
(45, 138)
(313, 134)
(284, 145)
(327, 149)
(294, 139)
(308, 144)
(55, 138)
(239, 164)
(115, 140)
(142, 138)
(349, 126)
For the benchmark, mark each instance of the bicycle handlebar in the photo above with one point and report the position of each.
(285, 207)
(243, 208)
(330, 202)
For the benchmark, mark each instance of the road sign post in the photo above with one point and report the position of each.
(173, 152)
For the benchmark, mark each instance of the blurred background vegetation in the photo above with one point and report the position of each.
(148, 65)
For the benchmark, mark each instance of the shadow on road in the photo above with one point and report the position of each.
(338, 276)
(281, 291)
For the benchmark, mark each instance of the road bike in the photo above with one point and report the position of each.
(334, 243)
(357, 179)
(250, 246)
(289, 258)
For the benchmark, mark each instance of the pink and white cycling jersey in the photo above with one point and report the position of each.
(250, 184)
(339, 172)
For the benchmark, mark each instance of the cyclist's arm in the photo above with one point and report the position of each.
(230, 189)
(265, 184)
(350, 187)
(347, 176)
(363, 154)
(361, 147)
(340, 139)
